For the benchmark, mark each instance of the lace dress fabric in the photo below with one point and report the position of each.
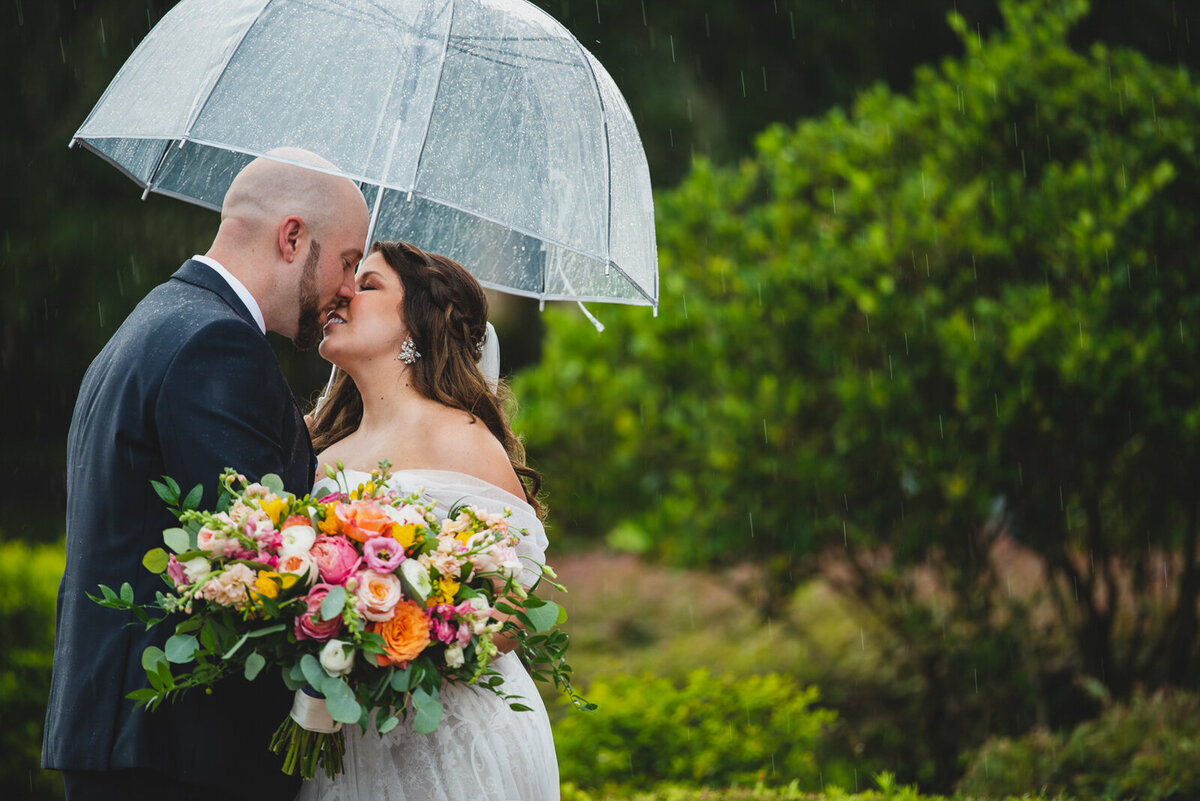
(483, 750)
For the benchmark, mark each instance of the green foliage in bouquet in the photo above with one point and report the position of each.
(1148, 748)
(706, 731)
(29, 576)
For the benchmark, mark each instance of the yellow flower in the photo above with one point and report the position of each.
(444, 591)
(274, 508)
(364, 491)
(268, 583)
(405, 535)
(330, 524)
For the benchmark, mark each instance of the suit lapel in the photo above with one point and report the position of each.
(199, 274)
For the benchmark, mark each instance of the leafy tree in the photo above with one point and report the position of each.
(903, 337)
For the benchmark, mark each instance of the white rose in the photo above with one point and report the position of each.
(454, 656)
(298, 539)
(299, 563)
(197, 569)
(337, 657)
(405, 515)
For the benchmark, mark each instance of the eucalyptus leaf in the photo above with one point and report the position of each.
(240, 642)
(181, 647)
(402, 680)
(339, 700)
(254, 665)
(177, 540)
(155, 560)
(152, 657)
(333, 604)
(273, 482)
(543, 617)
(388, 724)
(429, 711)
(314, 674)
(263, 632)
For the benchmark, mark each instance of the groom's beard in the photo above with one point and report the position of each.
(308, 328)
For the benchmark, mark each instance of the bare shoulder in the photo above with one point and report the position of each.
(464, 444)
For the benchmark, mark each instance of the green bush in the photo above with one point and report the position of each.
(29, 577)
(888, 791)
(1148, 749)
(706, 731)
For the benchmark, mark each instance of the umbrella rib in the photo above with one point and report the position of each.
(187, 131)
(437, 88)
(162, 157)
(607, 158)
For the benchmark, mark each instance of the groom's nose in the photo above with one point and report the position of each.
(346, 289)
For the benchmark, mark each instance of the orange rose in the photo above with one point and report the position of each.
(405, 636)
(362, 520)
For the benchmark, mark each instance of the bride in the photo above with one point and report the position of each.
(410, 390)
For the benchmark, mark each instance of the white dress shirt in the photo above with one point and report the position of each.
(239, 289)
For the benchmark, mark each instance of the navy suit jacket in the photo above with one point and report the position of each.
(186, 387)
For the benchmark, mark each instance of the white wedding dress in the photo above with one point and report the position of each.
(483, 750)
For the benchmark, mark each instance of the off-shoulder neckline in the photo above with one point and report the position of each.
(455, 473)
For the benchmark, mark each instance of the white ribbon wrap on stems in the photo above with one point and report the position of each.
(310, 714)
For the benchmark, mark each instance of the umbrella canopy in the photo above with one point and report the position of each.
(480, 129)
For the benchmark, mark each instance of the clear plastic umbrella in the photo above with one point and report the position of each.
(480, 129)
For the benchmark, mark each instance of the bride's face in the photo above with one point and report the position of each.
(370, 326)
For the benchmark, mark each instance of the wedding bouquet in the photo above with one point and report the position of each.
(366, 601)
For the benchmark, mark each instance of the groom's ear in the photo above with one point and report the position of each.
(291, 234)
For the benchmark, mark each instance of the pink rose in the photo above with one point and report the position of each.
(378, 594)
(336, 558)
(309, 625)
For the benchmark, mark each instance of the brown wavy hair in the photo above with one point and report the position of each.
(445, 309)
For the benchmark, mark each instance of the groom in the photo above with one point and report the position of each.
(186, 387)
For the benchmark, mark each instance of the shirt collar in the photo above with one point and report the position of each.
(238, 288)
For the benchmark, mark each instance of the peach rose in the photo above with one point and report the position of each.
(378, 594)
(362, 520)
(405, 636)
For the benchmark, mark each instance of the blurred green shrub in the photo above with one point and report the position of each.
(29, 576)
(1148, 749)
(888, 790)
(705, 731)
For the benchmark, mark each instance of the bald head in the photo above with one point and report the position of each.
(267, 190)
(292, 233)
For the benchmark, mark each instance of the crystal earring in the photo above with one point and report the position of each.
(408, 352)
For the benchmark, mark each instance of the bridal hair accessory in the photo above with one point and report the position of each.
(489, 359)
(408, 352)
